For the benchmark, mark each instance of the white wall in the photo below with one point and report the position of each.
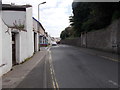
(35, 26)
(0, 44)
(29, 23)
(6, 49)
(11, 16)
(27, 39)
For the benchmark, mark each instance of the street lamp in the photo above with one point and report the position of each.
(38, 8)
(38, 19)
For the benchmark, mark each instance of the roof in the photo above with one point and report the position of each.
(15, 7)
(38, 23)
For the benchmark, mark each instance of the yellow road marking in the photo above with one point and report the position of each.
(110, 58)
(54, 81)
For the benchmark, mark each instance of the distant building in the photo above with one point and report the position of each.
(40, 32)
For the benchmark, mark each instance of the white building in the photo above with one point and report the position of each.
(17, 35)
(40, 35)
(49, 40)
(36, 35)
(0, 42)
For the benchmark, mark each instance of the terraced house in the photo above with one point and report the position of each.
(17, 35)
(0, 40)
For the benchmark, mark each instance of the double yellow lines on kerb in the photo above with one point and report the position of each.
(52, 72)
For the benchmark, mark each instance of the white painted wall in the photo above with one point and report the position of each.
(0, 45)
(6, 49)
(25, 40)
(35, 25)
(11, 16)
(29, 23)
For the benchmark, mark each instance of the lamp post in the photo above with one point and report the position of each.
(39, 18)
(38, 9)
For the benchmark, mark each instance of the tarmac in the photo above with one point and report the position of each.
(19, 72)
(107, 55)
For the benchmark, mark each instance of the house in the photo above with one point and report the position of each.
(42, 37)
(0, 42)
(40, 32)
(46, 39)
(36, 35)
(49, 40)
(17, 35)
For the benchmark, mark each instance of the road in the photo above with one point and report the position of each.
(69, 67)
(76, 69)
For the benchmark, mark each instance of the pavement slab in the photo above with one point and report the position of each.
(19, 72)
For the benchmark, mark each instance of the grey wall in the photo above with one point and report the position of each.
(118, 37)
(107, 39)
(73, 42)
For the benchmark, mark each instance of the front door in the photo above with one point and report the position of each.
(13, 49)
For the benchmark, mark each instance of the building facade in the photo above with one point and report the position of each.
(36, 35)
(17, 35)
(40, 34)
(0, 41)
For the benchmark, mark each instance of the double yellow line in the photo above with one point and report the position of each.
(115, 60)
(54, 81)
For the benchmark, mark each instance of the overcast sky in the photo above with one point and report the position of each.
(54, 15)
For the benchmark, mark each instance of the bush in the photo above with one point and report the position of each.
(116, 15)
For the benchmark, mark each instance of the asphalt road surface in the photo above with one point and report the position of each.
(76, 69)
(69, 67)
(39, 77)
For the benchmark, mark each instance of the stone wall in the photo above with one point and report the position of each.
(73, 42)
(104, 39)
(6, 49)
(107, 39)
(118, 37)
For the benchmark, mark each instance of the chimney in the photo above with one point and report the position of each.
(12, 4)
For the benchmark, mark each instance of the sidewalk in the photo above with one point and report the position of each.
(43, 48)
(103, 54)
(19, 72)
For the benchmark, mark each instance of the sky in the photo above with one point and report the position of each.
(54, 14)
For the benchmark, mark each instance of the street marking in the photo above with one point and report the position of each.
(116, 60)
(45, 86)
(54, 81)
(106, 57)
(110, 58)
(114, 83)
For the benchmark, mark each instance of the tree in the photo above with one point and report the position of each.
(88, 16)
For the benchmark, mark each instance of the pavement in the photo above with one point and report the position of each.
(19, 72)
(76, 67)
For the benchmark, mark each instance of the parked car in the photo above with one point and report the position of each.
(54, 44)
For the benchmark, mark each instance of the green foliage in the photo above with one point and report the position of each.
(94, 15)
(88, 16)
(68, 32)
(116, 15)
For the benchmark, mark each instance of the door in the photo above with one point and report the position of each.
(13, 49)
(34, 42)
